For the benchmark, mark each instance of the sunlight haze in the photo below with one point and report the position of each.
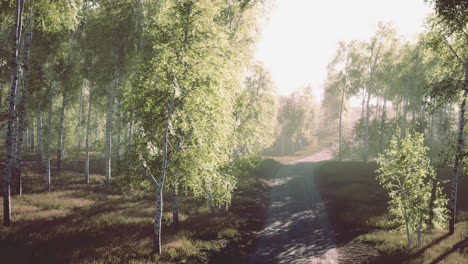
(301, 35)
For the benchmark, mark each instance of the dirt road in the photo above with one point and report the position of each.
(297, 230)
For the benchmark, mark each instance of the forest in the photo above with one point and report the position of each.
(144, 131)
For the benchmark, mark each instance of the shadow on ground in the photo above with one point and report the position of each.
(297, 228)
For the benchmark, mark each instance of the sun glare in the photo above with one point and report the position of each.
(301, 35)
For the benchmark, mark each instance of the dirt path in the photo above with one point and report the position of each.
(297, 230)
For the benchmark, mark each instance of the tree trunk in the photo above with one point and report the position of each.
(60, 136)
(431, 137)
(22, 107)
(88, 121)
(377, 108)
(457, 161)
(162, 177)
(158, 220)
(80, 121)
(130, 134)
(32, 142)
(366, 136)
(340, 127)
(408, 232)
(119, 130)
(282, 144)
(19, 144)
(210, 200)
(47, 146)
(382, 125)
(96, 130)
(11, 116)
(175, 207)
(39, 135)
(419, 238)
(405, 118)
(110, 108)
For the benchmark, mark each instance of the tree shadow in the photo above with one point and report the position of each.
(433, 243)
(462, 245)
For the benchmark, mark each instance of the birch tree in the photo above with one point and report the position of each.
(12, 111)
(184, 87)
(340, 81)
(404, 171)
(451, 85)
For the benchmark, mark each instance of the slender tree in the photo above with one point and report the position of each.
(12, 111)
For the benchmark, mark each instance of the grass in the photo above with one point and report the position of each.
(78, 223)
(357, 207)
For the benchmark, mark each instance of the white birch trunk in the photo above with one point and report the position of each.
(80, 121)
(39, 135)
(175, 206)
(210, 200)
(11, 116)
(32, 140)
(130, 131)
(22, 108)
(457, 160)
(110, 106)
(19, 145)
(405, 116)
(382, 124)
(119, 130)
(340, 127)
(162, 177)
(60, 135)
(366, 135)
(408, 232)
(88, 121)
(47, 145)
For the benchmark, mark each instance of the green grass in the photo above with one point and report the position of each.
(78, 223)
(357, 207)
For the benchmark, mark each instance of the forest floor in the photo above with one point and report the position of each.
(79, 223)
(314, 212)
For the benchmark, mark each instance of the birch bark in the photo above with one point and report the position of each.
(11, 116)
(110, 108)
(457, 161)
(88, 126)
(39, 135)
(175, 206)
(47, 145)
(22, 105)
(60, 135)
(162, 178)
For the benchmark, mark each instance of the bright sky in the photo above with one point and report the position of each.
(301, 35)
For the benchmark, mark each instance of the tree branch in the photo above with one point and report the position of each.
(148, 172)
(453, 51)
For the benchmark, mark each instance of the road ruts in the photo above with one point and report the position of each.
(297, 230)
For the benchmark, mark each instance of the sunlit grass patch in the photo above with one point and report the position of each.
(228, 233)
(53, 200)
(380, 222)
(182, 248)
